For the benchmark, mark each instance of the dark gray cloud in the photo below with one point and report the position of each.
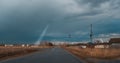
(26, 19)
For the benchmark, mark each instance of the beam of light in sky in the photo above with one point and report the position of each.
(42, 35)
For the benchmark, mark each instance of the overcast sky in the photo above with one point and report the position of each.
(25, 20)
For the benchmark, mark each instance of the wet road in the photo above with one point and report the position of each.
(53, 55)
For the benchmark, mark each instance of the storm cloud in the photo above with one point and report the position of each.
(26, 19)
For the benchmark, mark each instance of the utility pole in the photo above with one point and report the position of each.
(91, 34)
(69, 37)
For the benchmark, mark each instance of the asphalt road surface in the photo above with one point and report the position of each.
(53, 55)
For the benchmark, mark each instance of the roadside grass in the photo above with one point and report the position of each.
(8, 52)
(110, 53)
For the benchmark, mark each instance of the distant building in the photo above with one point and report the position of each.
(82, 45)
(46, 44)
(95, 45)
(85, 45)
(9, 45)
(115, 42)
(102, 45)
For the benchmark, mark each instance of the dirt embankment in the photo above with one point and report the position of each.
(87, 53)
